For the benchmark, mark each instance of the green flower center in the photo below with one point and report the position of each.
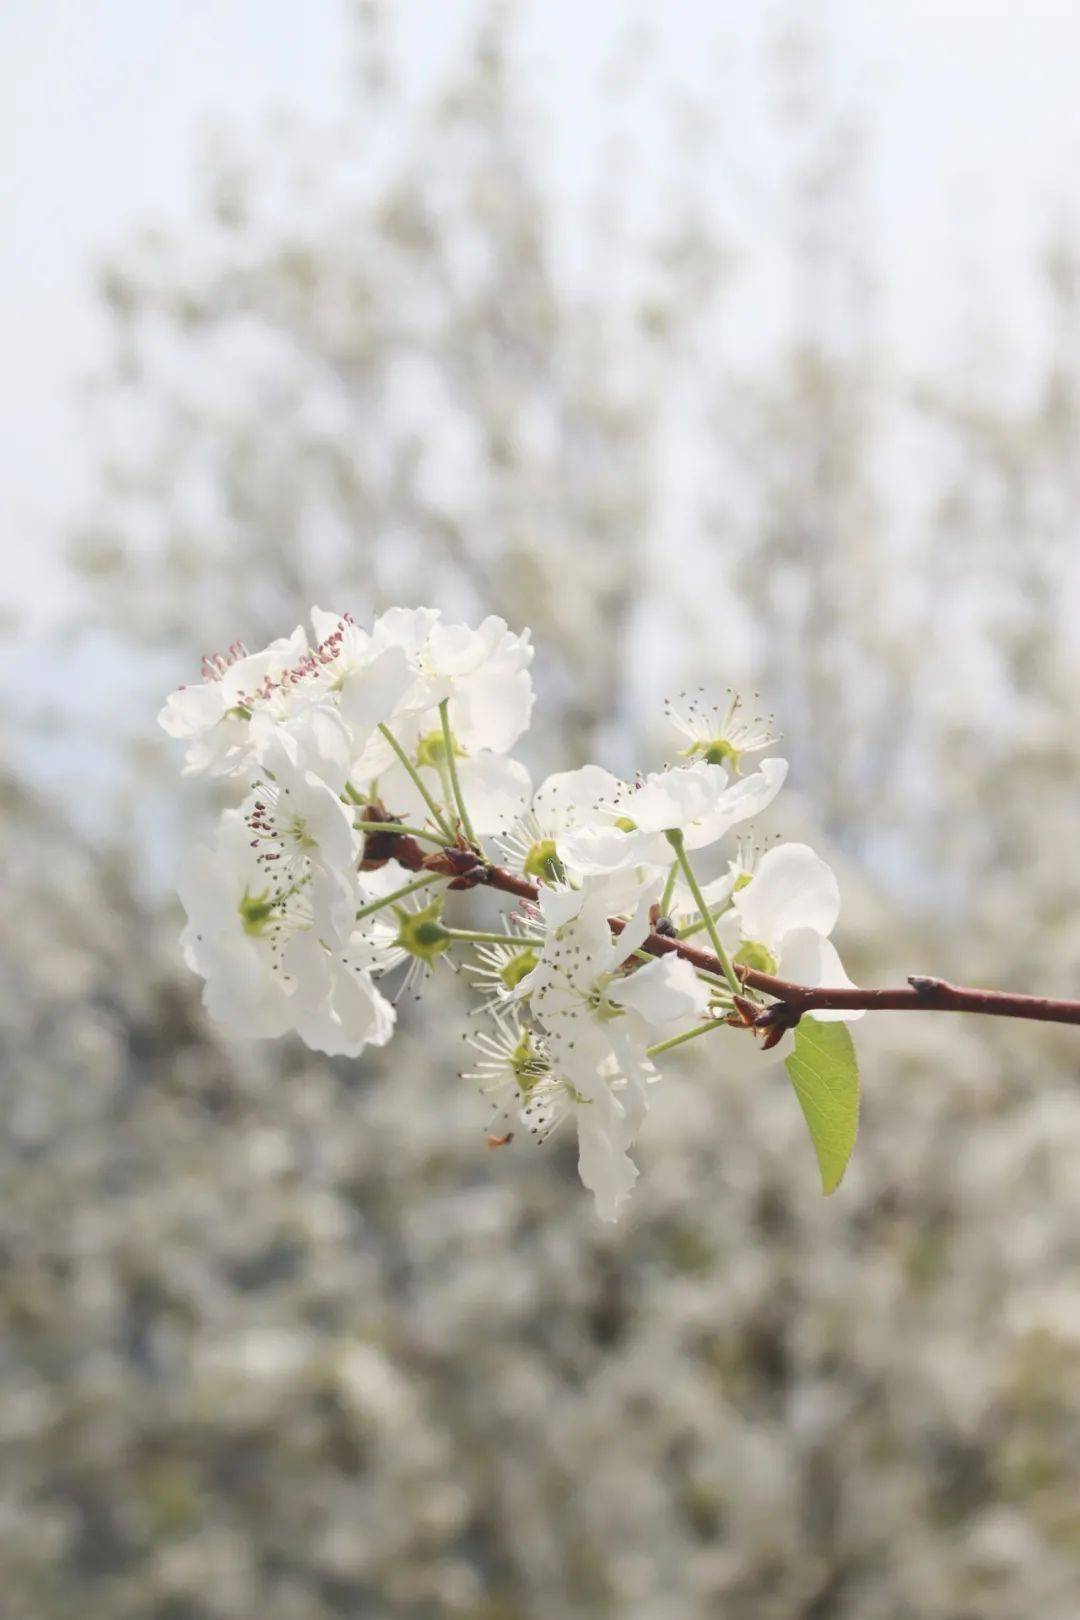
(753, 954)
(421, 933)
(431, 750)
(598, 1002)
(255, 912)
(717, 751)
(518, 967)
(543, 863)
(528, 1067)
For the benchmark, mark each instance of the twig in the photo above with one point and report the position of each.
(790, 1001)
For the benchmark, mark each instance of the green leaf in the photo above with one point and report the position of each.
(825, 1074)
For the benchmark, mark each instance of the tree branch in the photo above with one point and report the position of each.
(922, 994)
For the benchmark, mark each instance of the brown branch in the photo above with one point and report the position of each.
(922, 994)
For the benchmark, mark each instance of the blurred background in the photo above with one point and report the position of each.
(736, 344)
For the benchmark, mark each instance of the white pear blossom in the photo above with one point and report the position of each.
(213, 715)
(595, 1027)
(512, 1061)
(719, 733)
(331, 695)
(563, 802)
(484, 673)
(253, 937)
(305, 837)
(234, 929)
(781, 920)
(500, 967)
(698, 800)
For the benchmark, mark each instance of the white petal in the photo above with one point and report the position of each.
(746, 797)
(664, 991)
(355, 1015)
(401, 796)
(675, 798)
(560, 906)
(241, 994)
(193, 709)
(408, 628)
(603, 1163)
(792, 888)
(496, 791)
(637, 928)
(370, 695)
(569, 798)
(808, 958)
(246, 675)
(597, 851)
(491, 710)
(333, 903)
(318, 742)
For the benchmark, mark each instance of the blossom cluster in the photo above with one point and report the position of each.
(380, 779)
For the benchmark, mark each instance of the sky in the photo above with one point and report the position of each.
(968, 110)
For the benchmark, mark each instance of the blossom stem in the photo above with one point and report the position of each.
(473, 936)
(696, 927)
(407, 832)
(687, 1035)
(397, 894)
(675, 839)
(439, 818)
(451, 765)
(669, 889)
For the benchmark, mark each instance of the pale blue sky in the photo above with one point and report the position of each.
(973, 109)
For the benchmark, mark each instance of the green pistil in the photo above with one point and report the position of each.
(255, 911)
(518, 968)
(431, 750)
(421, 934)
(716, 752)
(527, 1066)
(302, 836)
(543, 863)
(599, 1004)
(752, 954)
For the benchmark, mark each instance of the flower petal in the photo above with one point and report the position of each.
(568, 798)
(808, 958)
(664, 991)
(496, 791)
(746, 797)
(792, 888)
